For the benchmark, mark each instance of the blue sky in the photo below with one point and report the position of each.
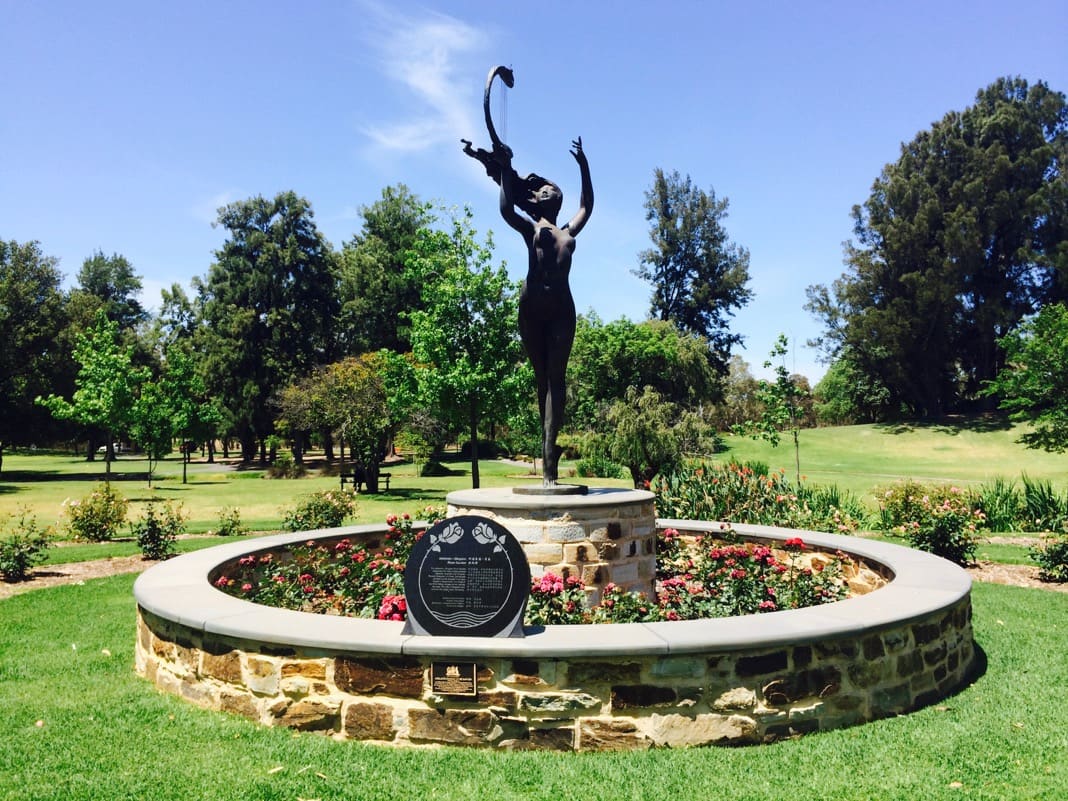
(125, 125)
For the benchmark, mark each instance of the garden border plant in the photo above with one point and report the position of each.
(698, 577)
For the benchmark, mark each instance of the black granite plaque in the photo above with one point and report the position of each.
(467, 577)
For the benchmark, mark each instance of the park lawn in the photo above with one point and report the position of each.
(79, 724)
(43, 483)
(863, 458)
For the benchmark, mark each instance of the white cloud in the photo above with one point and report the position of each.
(207, 209)
(425, 56)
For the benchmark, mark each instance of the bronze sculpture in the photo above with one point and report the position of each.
(546, 308)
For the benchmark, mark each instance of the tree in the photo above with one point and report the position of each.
(784, 403)
(32, 313)
(648, 434)
(847, 394)
(193, 416)
(699, 277)
(376, 290)
(268, 307)
(152, 424)
(465, 337)
(1033, 386)
(106, 385)
(112, 281)
(739, 402)
(960, 239)
(608, 358)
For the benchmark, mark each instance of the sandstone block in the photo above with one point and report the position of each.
(308, 669)
(261, 675)
(237, 703)
(676, 731)
(455, 726)
(399, 677)
(737, 698)
(310, 715)
(368, 721)
(614, 734)
(558, 703)
(224, 667)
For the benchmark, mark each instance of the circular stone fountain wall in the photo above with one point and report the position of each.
(637, 685)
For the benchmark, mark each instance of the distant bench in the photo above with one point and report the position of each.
(359, 477)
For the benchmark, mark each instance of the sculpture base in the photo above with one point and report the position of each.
(556, 489)
(606, 536)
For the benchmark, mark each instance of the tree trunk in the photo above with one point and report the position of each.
(473, 409)
(1, 456)
(328, 445)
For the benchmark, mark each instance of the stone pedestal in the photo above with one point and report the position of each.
(607, 536)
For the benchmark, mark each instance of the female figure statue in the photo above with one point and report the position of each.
(546, 308)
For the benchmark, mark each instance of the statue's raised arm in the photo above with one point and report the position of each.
(586, 197)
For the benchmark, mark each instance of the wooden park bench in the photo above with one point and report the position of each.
(358, 478)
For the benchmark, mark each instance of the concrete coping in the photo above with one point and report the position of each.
(179, 590)
(503, 498)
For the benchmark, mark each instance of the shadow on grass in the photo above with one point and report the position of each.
(35, 476)
(952, 424)
(403, 494)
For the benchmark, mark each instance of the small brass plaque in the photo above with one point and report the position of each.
(454, 678)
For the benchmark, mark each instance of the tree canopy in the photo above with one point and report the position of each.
(609, 358)
(1033, 387)
(268, 307)
(698, 275)
(376, 290)
(115, 285)
(961, 237)
(32, 313)
(465, 337)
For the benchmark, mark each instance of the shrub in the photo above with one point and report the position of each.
(1044, 509)
(98, 516)
(599, 467)
(23, 548)
(157, 531)
(285, 466)
(555, 600)
(1001, 504)
(230, 523)
(939, 519)
(325, 509)
(743, 494)
(715, 578)
(741, 579)
(619, 606)
(1052, 560)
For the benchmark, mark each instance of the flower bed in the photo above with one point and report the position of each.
(698, 577)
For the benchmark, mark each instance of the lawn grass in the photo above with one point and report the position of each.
(42, 484)
(66, 658)
(864, 457)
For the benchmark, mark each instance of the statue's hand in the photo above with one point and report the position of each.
(577, 151)
(503, 156)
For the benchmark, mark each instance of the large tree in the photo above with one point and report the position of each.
(698, 275)
(268, 306)
(465, 337)
(376, 291)
(32, 313)
(964, 235)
